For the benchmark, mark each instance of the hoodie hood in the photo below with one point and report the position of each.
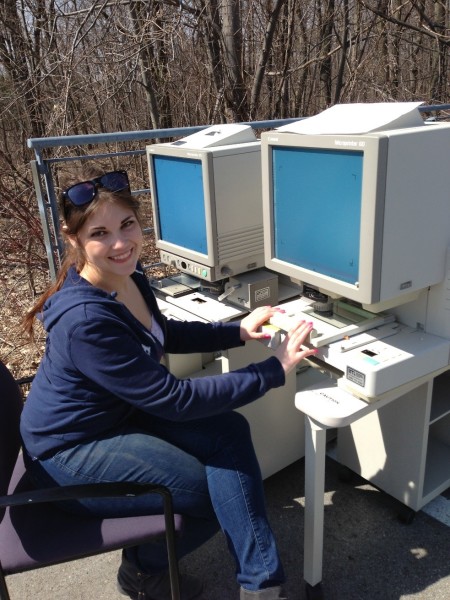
(75, 291)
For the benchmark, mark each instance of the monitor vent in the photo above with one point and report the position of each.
(241, 243)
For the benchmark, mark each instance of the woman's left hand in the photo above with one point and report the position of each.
(252, 323)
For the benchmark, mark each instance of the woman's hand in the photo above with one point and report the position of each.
(290, 351)
(251, 324)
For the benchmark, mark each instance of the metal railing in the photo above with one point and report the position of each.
(44, 180)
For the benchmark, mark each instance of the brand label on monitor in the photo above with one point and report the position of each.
(356, 376)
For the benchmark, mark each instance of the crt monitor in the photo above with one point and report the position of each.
(207, 207)
(363, 217)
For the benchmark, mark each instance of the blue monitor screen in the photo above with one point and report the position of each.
(180, 201)
(317, 210)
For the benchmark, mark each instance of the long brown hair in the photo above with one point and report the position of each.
(74, 219)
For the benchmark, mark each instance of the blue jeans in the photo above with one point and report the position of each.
(212, 471)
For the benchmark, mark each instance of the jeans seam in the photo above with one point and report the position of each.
(252, 519)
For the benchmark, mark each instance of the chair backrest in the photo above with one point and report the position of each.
(11, 404)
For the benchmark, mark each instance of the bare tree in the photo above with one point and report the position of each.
(86, 66)
(420, 36)
(266, 49)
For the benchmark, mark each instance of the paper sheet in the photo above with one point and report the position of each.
(359, 118)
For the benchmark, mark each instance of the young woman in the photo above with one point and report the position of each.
(102, 407)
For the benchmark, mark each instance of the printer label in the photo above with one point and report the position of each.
(356, 376)
(262, 294)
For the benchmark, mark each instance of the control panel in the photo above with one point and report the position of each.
(187, 266)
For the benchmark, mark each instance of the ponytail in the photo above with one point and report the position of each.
(37, 308)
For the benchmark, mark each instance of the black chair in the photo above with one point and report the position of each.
(35, 533)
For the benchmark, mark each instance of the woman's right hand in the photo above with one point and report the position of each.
(290, 351)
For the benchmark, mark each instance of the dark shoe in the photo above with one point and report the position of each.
(140, 586)
(272, 593)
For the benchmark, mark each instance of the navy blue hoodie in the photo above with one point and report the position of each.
(101, 365)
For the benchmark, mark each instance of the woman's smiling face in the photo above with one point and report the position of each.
(111, 240)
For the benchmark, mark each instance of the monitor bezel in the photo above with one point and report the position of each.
(206, 159)
(374, 149)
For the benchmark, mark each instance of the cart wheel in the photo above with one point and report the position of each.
(345, 474)
(406, 515)
(313, 592)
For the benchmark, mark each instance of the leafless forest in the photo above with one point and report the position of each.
(72, 67)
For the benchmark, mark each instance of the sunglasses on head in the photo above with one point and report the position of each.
(84, 192)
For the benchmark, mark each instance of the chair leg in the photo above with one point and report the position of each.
(171, 547)
(4, 594)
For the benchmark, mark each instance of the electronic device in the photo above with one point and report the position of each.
(342, 323)
(250, 290)
(364, 217)
(206, 198)
(390, 360)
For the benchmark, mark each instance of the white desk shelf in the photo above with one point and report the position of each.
(404, 447)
